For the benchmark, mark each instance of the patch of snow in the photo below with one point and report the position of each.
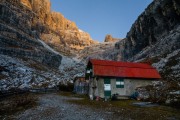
(175, 67)
(19, 75)
(81, 30)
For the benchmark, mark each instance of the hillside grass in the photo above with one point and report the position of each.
(125, 109)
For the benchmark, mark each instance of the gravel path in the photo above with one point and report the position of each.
(56, 107)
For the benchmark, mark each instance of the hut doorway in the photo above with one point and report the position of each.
(107, 88)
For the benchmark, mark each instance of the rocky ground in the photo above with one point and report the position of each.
(16, 73)
(55, 107)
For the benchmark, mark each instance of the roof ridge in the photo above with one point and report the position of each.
(119, 62)
(128, 66)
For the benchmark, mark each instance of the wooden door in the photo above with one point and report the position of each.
(107, 87)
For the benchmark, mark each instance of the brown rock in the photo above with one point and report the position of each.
(26, 3)
(109, 38)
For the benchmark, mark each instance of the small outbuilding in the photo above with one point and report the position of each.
(107, 78)
(81, 86)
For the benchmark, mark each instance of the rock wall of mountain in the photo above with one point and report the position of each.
(109, 38)
(104, 51)
(55, 29)
(17, 37)
(26, 61)
(154, 36)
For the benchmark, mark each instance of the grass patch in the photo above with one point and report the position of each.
(71, 94)
(67, 94)
(125, 109)
(17, 103)
(103, 104)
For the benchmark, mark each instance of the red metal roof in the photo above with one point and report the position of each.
(123, 69)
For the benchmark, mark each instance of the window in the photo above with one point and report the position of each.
(88, 72)
(119, 83)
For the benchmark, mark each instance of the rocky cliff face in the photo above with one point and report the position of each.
(57, 31)
(17, 37)
(155, 37)
(103, 50)
(109, 38)
(26, 60)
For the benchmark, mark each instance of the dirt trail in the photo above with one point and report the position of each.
(56, 107)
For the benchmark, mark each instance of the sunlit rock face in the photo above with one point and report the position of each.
(109, 38)
(59, 32)
(154, 36)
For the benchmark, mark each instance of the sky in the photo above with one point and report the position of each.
(101, 17)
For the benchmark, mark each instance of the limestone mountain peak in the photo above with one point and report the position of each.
(57, 31)
(109, 38)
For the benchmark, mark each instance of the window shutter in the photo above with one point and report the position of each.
(119, 83)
